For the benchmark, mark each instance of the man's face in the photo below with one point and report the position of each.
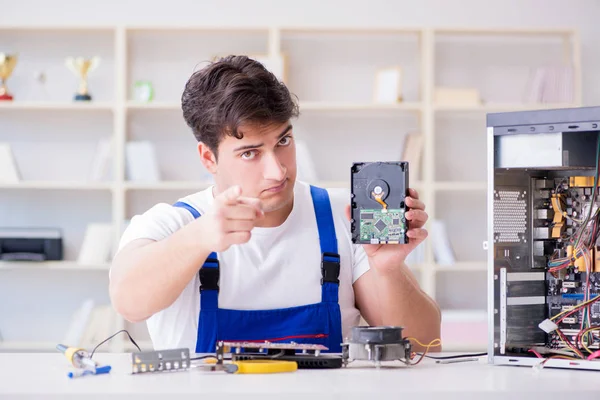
(262, 163)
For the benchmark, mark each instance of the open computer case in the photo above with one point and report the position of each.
(544, 238)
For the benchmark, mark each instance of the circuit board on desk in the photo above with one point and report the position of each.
(307, 356)
(274, 346)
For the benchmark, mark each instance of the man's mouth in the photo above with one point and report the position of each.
(278, 188)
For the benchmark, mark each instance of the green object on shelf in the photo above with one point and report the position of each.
(143, 91)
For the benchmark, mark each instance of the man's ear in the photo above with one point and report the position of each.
(208, 158)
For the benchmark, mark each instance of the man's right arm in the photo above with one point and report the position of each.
(147, 276)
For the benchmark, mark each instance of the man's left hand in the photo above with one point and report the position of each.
(385, 257)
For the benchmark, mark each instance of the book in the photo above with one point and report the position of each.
(442, 249)
(412, 153)
(9, 173)
(101, 324)
(457, 96)
(307, 171)
(79, 323)
(142, 164)
(97, 244)
(100, 169)
(388, 86)
(417, 256)
(550, 84)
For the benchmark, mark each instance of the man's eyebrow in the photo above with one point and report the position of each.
(248, 147)
(285, 132)
(256, 146)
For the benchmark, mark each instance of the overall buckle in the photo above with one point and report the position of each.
(209, 276)
(330, 268)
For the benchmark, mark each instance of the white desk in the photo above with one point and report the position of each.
(36, 375)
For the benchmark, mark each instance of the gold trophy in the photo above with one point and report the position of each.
(81, 67)
(7, 64)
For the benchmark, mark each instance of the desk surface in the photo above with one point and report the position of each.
(35, 374)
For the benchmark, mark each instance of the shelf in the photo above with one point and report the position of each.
(474, 266)
(145, 345)
(460, 186)
(66, 185)
(304, 106)
(52, 265)
(10, 345)
(503, 31)
(340, 106)
(460, 315)
(167, 185)
(499, 107)
(192, 185)
(55, 106)
(333, 184)
(162, 105)
(57, 28)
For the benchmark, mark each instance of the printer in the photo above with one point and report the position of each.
(30, 244)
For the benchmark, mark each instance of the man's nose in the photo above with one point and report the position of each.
(273, 169)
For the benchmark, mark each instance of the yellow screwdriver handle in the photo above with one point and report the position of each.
(264, 366)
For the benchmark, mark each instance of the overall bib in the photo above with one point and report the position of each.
(318, 323)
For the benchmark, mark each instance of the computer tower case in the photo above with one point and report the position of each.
(543, 238)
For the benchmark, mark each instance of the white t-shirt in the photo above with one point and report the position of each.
(279, 267)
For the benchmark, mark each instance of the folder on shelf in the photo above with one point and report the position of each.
(412, 152)
(450, 96)
(97, 244)
(550, 84)
(101, 325)
(442, 249)
(417, 256)
(307, 171)
(79, 323)
(9, 173)
(101, 164)
(142, 164)
(388, 86)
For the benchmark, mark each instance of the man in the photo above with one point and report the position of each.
(259, 255)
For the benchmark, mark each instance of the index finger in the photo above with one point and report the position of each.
(252, 202)
(230, 196)
(413, 193)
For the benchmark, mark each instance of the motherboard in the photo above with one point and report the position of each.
(566, 230)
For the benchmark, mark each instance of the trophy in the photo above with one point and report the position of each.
(81, 67)
(7, 64)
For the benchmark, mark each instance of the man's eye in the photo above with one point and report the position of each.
(248, 155)
(285, 141)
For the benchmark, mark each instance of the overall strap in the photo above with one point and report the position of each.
(209, 273)
(330, 258)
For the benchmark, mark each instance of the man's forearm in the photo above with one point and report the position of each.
(403, 303)
(147, 279)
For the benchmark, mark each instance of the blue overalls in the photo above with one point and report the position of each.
(318, 323)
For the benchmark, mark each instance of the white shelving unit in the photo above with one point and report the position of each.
(332, 72)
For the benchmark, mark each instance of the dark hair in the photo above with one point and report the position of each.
(230, 92)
